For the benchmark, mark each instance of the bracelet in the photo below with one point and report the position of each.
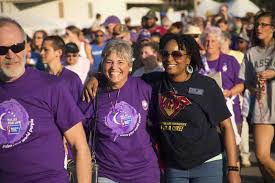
(233, 168)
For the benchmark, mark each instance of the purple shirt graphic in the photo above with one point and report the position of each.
(123, 146)
(35, 111)
(229, 68)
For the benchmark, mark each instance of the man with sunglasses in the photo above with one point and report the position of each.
(97, 48)
(36, 111)
(75, 62)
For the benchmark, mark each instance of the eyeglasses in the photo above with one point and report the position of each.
(262, 24)
(16, 48)
(175, 54)
(71, 55)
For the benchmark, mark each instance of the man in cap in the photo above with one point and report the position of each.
(151, 23)
(36, 111)
(76, 63)
(109, 25)
(243, 42)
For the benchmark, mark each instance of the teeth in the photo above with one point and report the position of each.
(171, 65)
(115, 73)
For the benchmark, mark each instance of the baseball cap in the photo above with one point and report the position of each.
(111, 19)
(71, 48)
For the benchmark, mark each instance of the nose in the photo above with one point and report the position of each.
(10, 54)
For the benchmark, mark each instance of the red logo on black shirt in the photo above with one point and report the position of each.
(171, 104)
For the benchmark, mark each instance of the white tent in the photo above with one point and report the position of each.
(207, 6)
(136, 13)
(31, 23)
(239, 8)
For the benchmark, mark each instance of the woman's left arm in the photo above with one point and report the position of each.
(233, 175)
(88, 50)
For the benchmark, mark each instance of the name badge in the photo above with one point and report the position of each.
(195, 91)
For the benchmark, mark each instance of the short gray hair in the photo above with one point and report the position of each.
(212, 30)
(120, 47)
(4, 21)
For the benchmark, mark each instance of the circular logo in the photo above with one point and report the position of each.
(122, 119)
(14, 122)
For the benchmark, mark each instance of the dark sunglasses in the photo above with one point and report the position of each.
(241, 41)
(71, 55)
(195, 35)
(99, 35)
(262, 24)
(16, 48)
(175, 54)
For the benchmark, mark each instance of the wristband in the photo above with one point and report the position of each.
(233, 168)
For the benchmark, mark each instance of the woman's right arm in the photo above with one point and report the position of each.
(90, 88)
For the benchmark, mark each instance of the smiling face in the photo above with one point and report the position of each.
(175, 65)
(116, 70)
(12, 65)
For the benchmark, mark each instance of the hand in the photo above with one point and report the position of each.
(227, 93)
(260, 89)
(89, 90)
(267, 74)
(233, 177)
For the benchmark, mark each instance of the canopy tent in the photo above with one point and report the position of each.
(239, 8)
(136, 13)
(207, 7)
(31, 23)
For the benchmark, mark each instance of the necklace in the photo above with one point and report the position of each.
(173, 88)
(109, 96)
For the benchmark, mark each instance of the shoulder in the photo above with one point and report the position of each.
(138, 85)
(204, 82)
(153, 77)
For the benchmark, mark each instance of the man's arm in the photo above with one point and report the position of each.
(75, 136)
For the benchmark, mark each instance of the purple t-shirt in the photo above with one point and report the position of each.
(35, 111)
(229, 68)
(124, 149)
(73, 83)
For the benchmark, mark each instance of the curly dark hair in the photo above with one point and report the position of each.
(187, 43)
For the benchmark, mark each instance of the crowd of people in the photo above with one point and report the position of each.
(168, 103)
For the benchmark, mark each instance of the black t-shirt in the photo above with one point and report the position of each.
(187, 115)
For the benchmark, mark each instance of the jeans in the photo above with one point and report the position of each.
(105, 180)
(207, 172)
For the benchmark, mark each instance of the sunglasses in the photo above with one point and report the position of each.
(175, 54)
(241, 41)
(16, 48)
(71, 55)
(195, 35)
(99, 35)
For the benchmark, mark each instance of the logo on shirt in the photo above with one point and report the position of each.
(123, 119)
(15, 126)
(224, 68)
(144, 104)
(171, 104)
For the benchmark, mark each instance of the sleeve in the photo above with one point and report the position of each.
(246, 71)
(215, 108)
(66, 112)
(236, 68)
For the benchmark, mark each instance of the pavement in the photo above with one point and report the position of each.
(253, 174)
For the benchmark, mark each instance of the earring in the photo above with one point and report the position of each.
(189, 69)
